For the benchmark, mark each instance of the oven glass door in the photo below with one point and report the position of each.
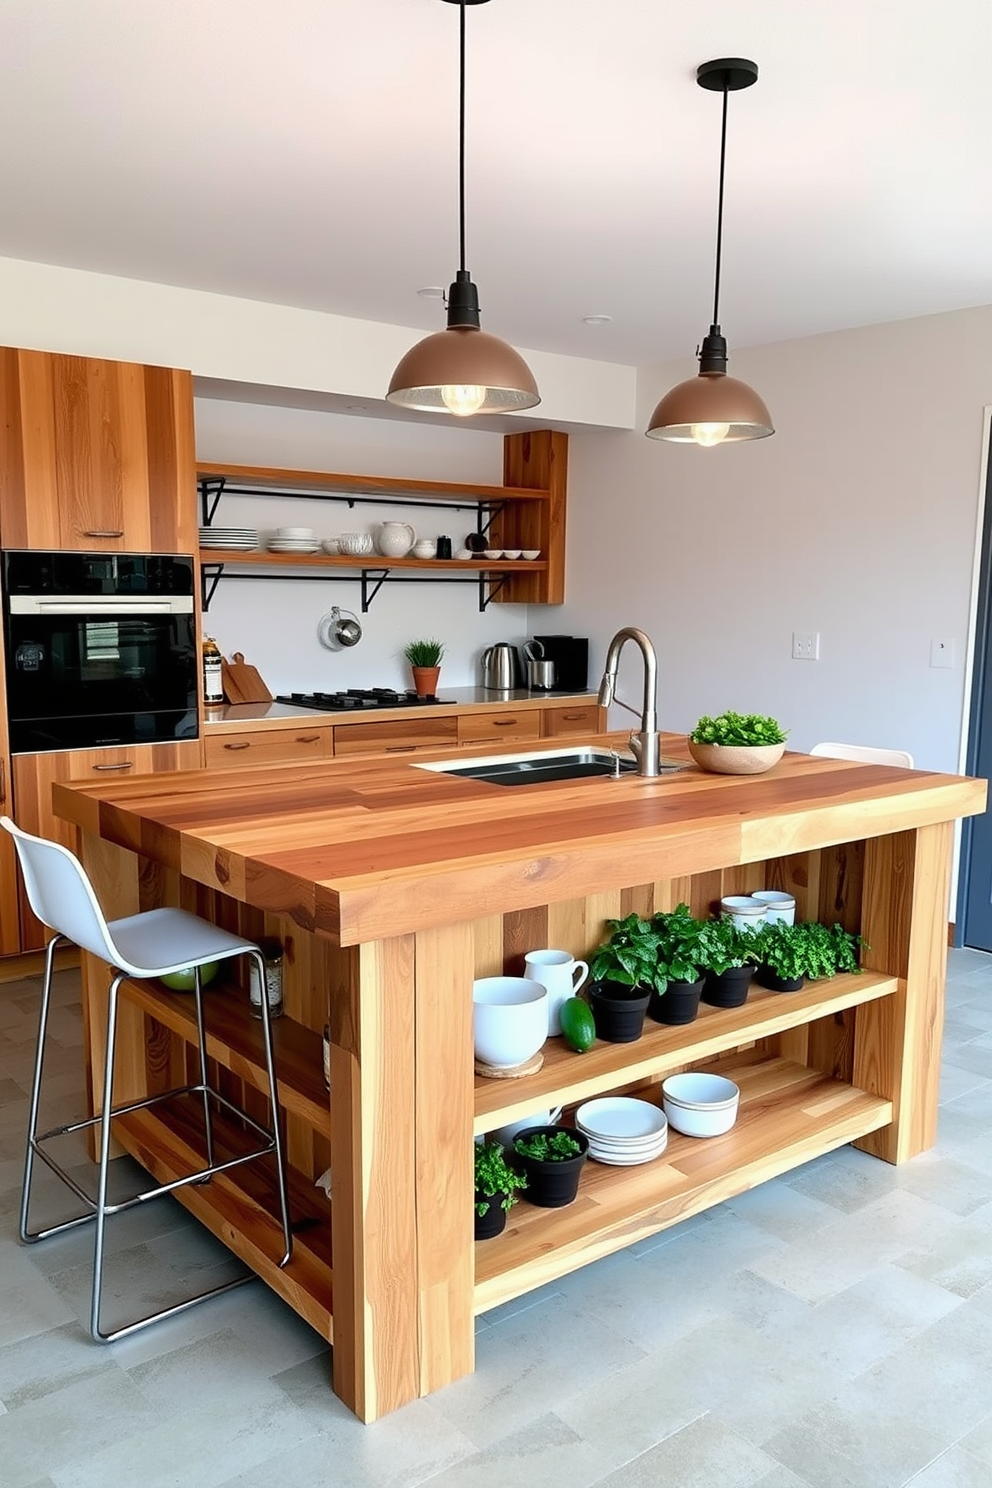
(103, 676)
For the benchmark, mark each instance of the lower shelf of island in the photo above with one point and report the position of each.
(240, 1206)
(788, 1115)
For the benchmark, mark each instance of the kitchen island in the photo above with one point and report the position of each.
(391, 888)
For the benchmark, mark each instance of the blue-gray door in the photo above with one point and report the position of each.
(973, 920)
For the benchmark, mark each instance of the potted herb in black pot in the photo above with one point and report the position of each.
(496, 1182)
(682, 956)
(551, 1158)
(830, 949)
(623, 972)
(731, 958)
(782, 956)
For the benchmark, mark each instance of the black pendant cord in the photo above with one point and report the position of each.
(719, 214)
(461, 140)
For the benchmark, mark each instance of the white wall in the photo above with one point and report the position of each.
(856, 520)
(275, 623)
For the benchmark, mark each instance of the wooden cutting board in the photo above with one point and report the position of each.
(242, 683)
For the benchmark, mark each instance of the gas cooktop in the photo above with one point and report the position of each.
(357, 699)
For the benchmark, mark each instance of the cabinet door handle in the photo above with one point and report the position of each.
(573, 717)
(241, 744)
(127, 765)
(3, 782)
(505, 722)
(308, 738)
(104, 532)
(400, 748)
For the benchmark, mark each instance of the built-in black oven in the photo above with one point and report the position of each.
(101, 649)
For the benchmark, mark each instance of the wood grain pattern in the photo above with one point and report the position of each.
(537, 459)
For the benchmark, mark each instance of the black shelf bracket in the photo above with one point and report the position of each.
(211, 490)
(210, 574)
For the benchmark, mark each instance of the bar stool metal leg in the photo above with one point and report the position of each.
(257, 958)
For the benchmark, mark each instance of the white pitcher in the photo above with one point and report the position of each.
(561, 974)
(395, 539)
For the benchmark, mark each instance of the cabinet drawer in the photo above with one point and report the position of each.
(394, 738)
(502, 724)
(267, 746)
(583, 719)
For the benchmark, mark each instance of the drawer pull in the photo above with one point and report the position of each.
(574, 717)
(104, 532)
(308, 738)
(400, 748)
(241, 744)
(127, 765)
(505, 722)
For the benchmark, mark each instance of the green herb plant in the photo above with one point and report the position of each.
(685, 946)
(729, 946)
(629, 958)
(746, 729)
(494, 1177)
(556, 1146)
(424, 653)
(808, 949)
(783, 949)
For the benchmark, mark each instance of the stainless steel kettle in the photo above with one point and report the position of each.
(540, 670)
(499, 667)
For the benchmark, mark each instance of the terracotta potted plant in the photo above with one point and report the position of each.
(737, 743)
(425, 663)
(496, 1183)
(552, 1158)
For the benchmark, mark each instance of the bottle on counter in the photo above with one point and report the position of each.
(213, 682)
(272, 955)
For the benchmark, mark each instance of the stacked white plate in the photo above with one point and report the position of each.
(293, 545)
(622, 1131)
(230, 539)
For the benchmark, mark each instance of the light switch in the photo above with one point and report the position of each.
(805, 645)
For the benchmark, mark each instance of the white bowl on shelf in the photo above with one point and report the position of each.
(331, 546)
(511, 552)
(302, 532)
(356, 544)
(493, 553)
(530, 554)
(699, 1104)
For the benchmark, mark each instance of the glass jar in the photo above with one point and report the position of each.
(272, 955)
(213, 680)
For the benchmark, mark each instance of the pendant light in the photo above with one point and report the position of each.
(463, 370)
(713, 408)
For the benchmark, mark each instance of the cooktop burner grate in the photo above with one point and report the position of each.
(357, 699)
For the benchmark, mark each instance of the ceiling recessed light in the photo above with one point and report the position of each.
(431, 292)
(595, 320)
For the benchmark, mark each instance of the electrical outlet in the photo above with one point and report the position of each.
(805, 645)
(941, 653)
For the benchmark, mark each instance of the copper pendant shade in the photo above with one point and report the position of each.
(713, 408)
(463, 370)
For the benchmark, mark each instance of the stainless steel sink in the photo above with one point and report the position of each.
(537, 768)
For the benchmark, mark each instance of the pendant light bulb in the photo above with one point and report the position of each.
(463, 399)
(462, 370)
(712, 408)
(710, 434)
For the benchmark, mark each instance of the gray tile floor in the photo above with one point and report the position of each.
(832, 1329)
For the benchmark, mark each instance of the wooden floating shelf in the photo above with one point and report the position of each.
(234, 1039)
(240, 1206)
(271, 481)
(254, 558)
(789, 1114)
(567, 1077)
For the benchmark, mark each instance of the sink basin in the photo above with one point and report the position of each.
(539, 768)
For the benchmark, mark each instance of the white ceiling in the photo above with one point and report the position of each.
(304, 152)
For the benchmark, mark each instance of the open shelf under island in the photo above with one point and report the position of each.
(391, 888)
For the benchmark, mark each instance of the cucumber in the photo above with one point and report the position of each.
(577, 1024)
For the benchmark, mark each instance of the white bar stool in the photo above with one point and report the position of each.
(868, 754)
(152, 944)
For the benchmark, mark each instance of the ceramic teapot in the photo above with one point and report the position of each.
(395, 539)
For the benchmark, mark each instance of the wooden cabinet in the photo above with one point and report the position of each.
(268, 746)
(96, 456)
(526, 513)
(35, 774)
(397, 736)
(502, 723)
(572, 718)
(9, 934)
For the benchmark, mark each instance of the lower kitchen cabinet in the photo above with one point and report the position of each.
(398, 737)
(267, 746)
(502, 724)
(584, 718)
(33, 778)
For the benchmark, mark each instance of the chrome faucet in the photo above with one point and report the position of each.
(644, 742)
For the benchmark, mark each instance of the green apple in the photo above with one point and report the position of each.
(182, 981)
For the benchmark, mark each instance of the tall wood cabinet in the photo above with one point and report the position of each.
(96, 456)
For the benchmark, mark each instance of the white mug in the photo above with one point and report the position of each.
(561, 974)
(509, 1019)
(746, 911)
(778, 905)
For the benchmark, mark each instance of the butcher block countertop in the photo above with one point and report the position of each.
(358, 849)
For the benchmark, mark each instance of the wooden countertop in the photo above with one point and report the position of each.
(359, 848)
(233, 716)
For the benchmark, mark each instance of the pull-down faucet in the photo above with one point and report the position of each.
(644, 743)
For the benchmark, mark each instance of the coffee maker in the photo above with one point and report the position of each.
(570, 655)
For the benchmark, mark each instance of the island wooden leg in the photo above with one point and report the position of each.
(897, 1048)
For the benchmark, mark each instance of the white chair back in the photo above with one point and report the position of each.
(60, 894)
(866, 753)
